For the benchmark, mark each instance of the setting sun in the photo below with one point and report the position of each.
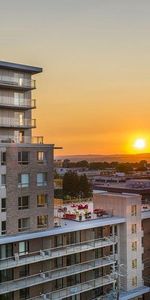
(140, 144)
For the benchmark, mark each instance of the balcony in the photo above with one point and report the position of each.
(78, 288)
(48, 254)
(17, 83)
(44, 277)
(17, 104)
(37, 140)
(25, 140)
(16, 123)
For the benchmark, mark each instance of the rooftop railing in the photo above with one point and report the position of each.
(47, 254)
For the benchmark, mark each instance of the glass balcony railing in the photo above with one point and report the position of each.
(16, 123)
(10, 102)
(78, 288)
(47, 254)
(17, 82)
(25, 140)
(44, 277)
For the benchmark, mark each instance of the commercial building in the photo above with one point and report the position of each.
(138, 186)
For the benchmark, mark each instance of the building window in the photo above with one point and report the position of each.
(42, 221)
(41, 200)
(133, 210)
(40, 156)
(134, 246)
(134, 263)
(133, 228)
(24, 294)
(21, 137)
(3, 158)
(23, 202)
(6, 250)
(115, 230)
(5, 276)
(3, 227)
(23, 224)
(134, 281)
(24, 271)
(3, 180)
(41, 179)
(23, 248)
(3, 204)
(23, 180)
(23, 157)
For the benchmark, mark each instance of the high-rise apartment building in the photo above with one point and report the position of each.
(26, 173)
(97, 258)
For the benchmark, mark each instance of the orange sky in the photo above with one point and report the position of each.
(93, 96)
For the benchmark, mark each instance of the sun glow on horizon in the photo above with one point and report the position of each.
(140, 144)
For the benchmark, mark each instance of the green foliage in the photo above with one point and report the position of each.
(58, 194)
(124, 167)
(82, 164)
(75, 186)
(85, 189)
(56, 175)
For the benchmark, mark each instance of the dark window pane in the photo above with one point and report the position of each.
(23, 157)
(3, 204)
(23, 202)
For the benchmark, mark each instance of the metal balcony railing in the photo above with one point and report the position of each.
(47, 254)
(16, 123)
(78, 288)
(8, 81)
(10, 102)
(44, 277)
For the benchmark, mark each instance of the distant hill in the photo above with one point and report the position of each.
(108, 158)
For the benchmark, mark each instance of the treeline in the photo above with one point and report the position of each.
(119, 167)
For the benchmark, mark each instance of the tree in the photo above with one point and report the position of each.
(124, 167)
(75, 186)
(66, 163)
(82, 164)
(142, 166)
(85, 187)
(71, 184)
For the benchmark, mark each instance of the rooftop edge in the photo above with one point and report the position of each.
(20, 67)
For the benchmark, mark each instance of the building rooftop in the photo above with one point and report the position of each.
(29, 145)
(19, 67)
(110, 194)
(66, 226)
(129, 185)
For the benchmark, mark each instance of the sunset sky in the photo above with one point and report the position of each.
(94, 94)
